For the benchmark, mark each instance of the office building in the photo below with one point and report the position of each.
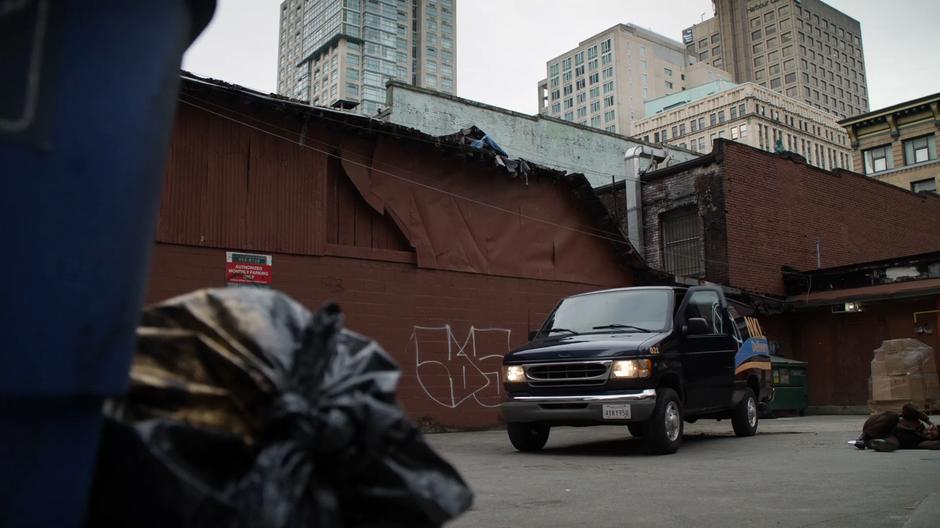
(898, 144)
(605, 80)
(749, 114)
(804, 49)
(340, 53)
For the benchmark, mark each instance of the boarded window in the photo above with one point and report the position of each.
(682, 243)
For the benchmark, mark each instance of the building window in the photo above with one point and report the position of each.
(609, 116)
(605, 46)
(609, 101)
(878, 159)
(668, 85)
(682, 242)
(667, 72)
(721, 116)
(920, 149)
(608, 87)
(712, 119)
(743, 131)
(734, 133)
(596, 121)
(928, 185)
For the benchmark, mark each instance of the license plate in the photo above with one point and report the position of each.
(617, 411)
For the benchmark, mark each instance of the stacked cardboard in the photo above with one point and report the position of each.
(902, 371)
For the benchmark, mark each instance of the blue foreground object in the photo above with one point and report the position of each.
(87, 100)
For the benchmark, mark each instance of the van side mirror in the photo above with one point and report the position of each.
(532, 334)
(696, 326)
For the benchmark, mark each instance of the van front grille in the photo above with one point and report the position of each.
(568, 374)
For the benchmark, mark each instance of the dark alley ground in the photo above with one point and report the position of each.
(796, 472)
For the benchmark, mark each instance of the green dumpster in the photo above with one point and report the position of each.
(790, 387)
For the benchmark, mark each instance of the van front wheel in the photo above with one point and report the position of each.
(665, 425)
(527, 437)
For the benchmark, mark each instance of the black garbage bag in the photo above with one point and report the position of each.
(246, 410)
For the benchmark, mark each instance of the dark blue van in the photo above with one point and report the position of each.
(648, 357)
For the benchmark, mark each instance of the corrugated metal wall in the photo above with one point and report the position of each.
(230, 186)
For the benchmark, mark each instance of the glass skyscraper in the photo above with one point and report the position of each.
(340, 53)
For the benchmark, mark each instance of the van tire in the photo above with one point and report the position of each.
(527, 437)
(664, 427)
(744, 417)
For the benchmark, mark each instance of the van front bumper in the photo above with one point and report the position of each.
(581, 409)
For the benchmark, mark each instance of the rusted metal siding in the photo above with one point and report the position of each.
(231, 186)
(353, 222)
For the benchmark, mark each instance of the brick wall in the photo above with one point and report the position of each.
(702, 188)
(447, 330)
(778, 208)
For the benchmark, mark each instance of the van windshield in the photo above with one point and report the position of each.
(613, 311)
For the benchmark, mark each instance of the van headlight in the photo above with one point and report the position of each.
(514, 373)
(631, 368)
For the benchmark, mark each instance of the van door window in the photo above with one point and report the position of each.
(706, 305)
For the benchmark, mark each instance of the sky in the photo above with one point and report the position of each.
(503, 45)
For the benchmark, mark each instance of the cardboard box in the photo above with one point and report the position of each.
(931, 386)
(878, 368)
(909, 387)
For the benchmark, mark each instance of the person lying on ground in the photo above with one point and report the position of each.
(888, 431)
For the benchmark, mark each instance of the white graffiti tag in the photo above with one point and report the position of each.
(451, 373)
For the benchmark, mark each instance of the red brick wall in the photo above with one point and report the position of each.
(777, 208)
(389, 301)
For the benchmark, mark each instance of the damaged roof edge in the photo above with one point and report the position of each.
(577, 183)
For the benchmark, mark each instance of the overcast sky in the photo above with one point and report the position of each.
(502, 45)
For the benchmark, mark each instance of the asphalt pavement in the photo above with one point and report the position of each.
(795, 472)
